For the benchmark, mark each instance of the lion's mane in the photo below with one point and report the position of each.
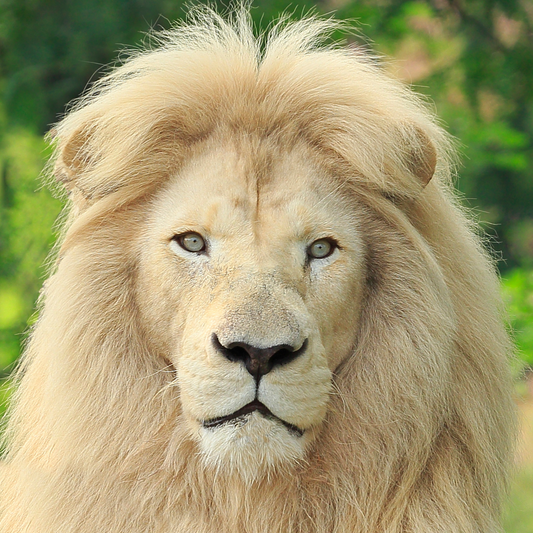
(418, 435)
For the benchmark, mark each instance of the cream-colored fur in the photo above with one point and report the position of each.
(397, 415)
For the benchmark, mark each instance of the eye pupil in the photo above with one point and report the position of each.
(192, 242)
(321, 248)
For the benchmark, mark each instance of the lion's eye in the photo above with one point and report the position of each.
(321, 248)
(192, 242)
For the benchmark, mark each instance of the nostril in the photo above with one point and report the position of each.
(233, 354)
(286, 355)
(237, 353)
(258, 361)
(234, 351)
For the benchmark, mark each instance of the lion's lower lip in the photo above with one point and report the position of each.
(256, 405)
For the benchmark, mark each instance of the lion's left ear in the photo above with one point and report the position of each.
(411, 164)
(420, 154)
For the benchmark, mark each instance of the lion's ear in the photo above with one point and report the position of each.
(411, 167)
(419, 153)
(74, 158)
(422, 156)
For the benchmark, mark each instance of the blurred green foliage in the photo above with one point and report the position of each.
(519, 515)
(517, 287)
(27, 215)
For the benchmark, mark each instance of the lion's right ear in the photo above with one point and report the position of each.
(74, 159)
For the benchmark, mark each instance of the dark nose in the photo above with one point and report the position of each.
(259, 361)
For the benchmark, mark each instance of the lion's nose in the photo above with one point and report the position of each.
(258, 361)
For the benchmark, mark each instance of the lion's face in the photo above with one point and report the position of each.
(250, 279)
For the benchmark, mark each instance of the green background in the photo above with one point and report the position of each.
(473, 59)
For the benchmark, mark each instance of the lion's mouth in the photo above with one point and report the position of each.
(243, 412)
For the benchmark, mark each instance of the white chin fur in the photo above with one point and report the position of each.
(252, 446)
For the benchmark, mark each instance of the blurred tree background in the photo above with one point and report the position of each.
(472, 58)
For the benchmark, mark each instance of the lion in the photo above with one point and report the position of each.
(268, 312)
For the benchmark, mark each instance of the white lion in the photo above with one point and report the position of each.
(268, 313)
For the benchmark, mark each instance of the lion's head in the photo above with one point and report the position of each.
(267, 313)
(251, 273)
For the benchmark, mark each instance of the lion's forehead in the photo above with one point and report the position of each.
(236, 192)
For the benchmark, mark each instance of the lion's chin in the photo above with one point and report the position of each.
(252, 445)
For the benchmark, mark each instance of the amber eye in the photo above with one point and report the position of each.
(192, 242)
(321, 248)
